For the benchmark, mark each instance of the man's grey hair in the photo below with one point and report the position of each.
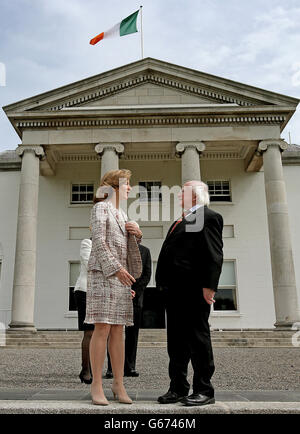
(201, 192)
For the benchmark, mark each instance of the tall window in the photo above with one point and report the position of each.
(219, 191)
(82, 193)
(150, 191)
(226, 295)
(74, 271)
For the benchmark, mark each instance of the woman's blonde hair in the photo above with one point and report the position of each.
(108, 180)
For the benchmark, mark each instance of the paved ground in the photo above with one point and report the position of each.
(236, 369)
(247, 381)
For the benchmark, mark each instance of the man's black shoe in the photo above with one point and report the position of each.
(131, 373)
(170, 398)
(198, 399)
(108, 374)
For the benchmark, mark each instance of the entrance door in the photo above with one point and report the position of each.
(153, 316)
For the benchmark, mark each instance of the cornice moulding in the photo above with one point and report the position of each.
(153, 121)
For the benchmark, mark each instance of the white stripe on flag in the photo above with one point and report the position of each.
(113, 32)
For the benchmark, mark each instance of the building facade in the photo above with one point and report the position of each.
(167, 124)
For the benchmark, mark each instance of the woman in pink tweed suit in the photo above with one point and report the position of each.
(113, 265)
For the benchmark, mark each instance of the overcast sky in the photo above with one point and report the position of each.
(44, 44)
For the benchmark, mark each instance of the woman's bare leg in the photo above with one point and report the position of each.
(97, 356)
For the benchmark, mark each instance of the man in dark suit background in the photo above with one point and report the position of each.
(132, 333)
(188, 272)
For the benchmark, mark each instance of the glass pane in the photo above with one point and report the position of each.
(217, 198)
(90, 188)
(74, 272)
(75, 187)
(228, 274)
(225, 300)
(83, 188)
(82, 197)
(75, 197)
(90, 197)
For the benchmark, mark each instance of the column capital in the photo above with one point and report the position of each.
(117, 147)
(38, 150)
(264, 144)
(182, 146)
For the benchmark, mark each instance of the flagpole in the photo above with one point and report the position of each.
(142, 42)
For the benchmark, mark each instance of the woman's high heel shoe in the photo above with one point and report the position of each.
(97, 401)
(100, 401)
(85, 380)
(122, 399)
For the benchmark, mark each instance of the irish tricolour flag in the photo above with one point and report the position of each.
(125, 27)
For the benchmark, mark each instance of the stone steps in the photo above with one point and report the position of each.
(152, 338)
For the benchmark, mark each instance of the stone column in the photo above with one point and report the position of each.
(283, 273)
(25, 256)
(190, 164)
(110, 155)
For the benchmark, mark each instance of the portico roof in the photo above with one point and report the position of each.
(214, 100)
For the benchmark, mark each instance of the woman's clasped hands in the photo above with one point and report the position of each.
(133, 228)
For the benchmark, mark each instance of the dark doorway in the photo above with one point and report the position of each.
(153, 316)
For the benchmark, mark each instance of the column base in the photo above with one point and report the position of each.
(283, 325)
(20, 326)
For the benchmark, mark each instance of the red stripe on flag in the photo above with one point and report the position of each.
(97, 38)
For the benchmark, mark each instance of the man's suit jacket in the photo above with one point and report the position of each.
(192, 257)
(141, 283)
(85, 251)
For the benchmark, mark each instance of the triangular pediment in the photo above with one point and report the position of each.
(148, 94)
(150, 82)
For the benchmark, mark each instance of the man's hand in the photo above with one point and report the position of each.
(208, 295)
(124, 277)
(133, 229)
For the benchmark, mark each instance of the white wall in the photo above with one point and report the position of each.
(250, 246)
(292, 179)
(54, 249)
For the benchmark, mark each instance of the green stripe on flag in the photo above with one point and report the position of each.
(128, 25)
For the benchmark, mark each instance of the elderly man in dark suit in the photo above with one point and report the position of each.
(132, 333)
(188, 272)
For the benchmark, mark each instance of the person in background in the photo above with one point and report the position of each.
(80, 298)
(132, 333)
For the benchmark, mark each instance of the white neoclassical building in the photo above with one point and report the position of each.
(167, 124)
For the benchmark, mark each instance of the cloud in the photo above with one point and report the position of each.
(45, 44)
